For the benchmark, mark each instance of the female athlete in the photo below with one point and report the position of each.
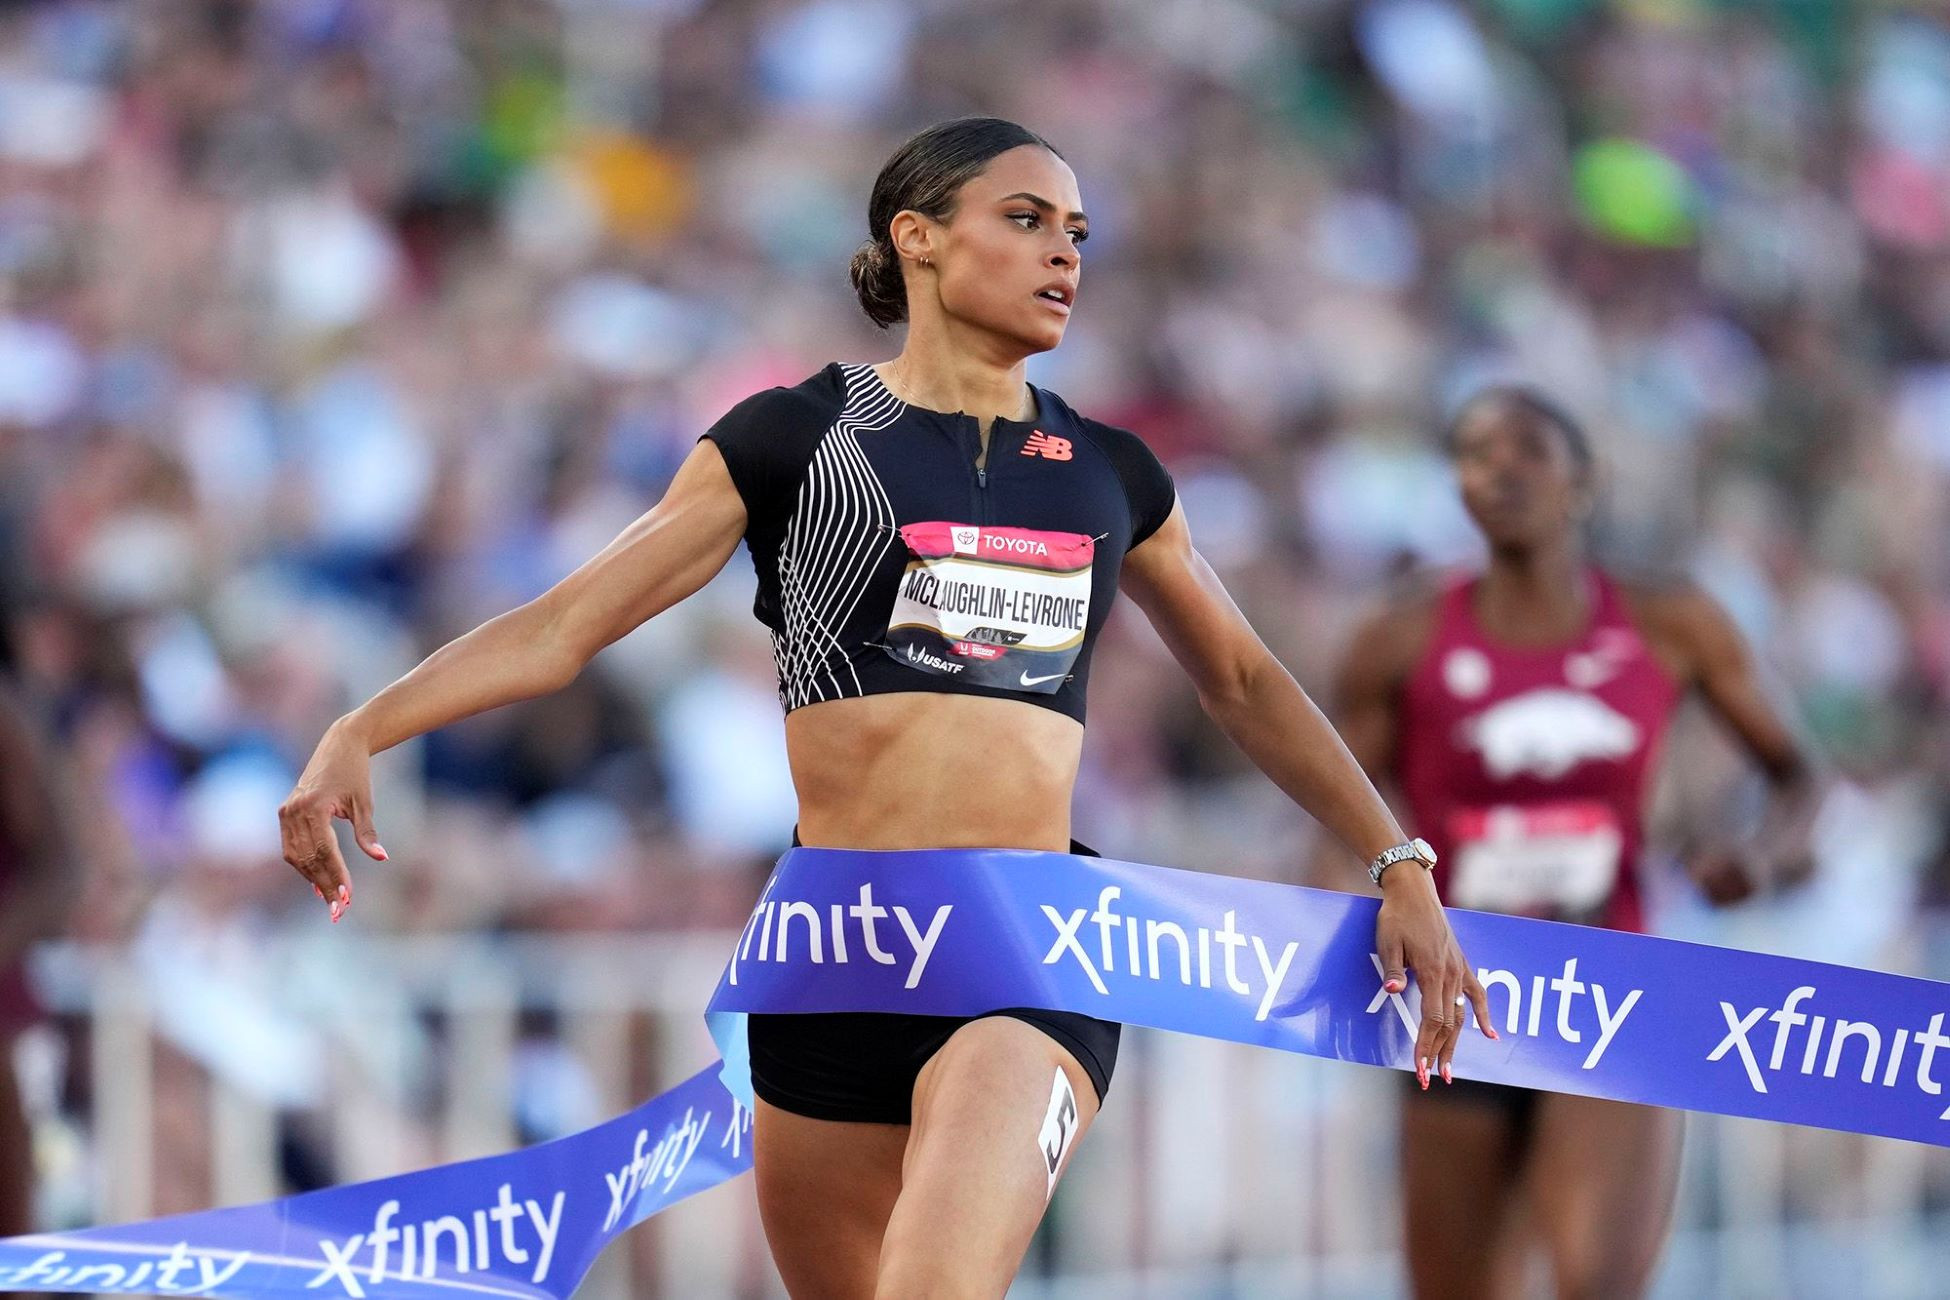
(1520, 713)
(874, 501)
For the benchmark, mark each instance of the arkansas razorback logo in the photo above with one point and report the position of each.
(1049, 448)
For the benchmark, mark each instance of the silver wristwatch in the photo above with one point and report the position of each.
(1417, 848)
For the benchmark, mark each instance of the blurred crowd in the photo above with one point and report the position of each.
(330, 328)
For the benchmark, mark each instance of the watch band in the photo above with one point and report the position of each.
(1417, 848)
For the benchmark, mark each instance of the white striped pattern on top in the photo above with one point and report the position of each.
(841, 525)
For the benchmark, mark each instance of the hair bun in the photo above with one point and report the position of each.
(876, 276)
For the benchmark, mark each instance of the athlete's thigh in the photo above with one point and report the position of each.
(994, 1110)
(1603, 1176)
(1462, 1178)
(825, 1191)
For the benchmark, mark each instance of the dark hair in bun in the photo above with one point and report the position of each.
(923, 176)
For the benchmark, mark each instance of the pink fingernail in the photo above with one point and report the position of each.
(345, 895)
(1446, 1076)
(379, 849)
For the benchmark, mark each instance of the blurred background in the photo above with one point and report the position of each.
(330, 328)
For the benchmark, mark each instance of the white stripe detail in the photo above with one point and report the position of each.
(841, 525)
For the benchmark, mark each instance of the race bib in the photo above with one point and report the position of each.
(1552, 860)
(1001, 607)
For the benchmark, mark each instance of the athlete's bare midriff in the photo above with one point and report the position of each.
(925, 770)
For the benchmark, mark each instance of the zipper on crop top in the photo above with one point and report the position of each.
(972, 446)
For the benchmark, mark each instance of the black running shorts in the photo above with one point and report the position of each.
(860, 1066)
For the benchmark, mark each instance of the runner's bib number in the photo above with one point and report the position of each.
(999, 607)
(1554, 860)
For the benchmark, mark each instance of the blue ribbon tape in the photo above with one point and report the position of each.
(960, 932)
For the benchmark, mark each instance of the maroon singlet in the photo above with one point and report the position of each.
(1526, 766)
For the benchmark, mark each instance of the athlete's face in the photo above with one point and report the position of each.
(1008, 259)
(1520, 479)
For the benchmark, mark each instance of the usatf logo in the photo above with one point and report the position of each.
(1049, 448)
(966, 540)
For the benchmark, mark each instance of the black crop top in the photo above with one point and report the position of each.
(887, 562)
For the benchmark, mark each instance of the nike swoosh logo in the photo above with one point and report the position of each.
(1027, 680)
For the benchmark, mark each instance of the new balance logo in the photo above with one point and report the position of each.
(1042, 444)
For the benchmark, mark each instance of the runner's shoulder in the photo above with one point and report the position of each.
(1657, 598)
(1412, 599)
(1395, 631)
(1673, 613)
(805, 409)
(768, 439)
(1147, 483)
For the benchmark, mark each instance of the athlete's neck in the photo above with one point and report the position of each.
(938, 373)
(1539, 594)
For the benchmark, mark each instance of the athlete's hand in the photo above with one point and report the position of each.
(1412, 934)
(336, 783)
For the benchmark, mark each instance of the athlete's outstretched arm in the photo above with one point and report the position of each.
(657, 561)
(1250, 694)
(1721, 665)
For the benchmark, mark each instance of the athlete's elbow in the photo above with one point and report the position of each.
(556, 668)
(1236, 686)
(555, 646)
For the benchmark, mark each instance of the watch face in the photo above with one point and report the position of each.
(1424, 850)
